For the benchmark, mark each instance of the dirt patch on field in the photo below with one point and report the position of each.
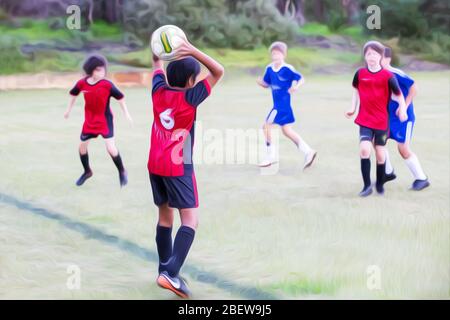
(49, 80)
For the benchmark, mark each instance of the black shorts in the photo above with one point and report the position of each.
(178, 192)
(109, 123)
(87, 136)
(378, 137)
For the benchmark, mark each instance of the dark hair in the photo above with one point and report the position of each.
(388, 52)
(93, 62)
(374, 45)
(180, 71)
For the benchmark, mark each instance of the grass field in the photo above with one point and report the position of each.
(289, 235)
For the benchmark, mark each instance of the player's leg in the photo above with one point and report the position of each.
(421, 180)
(310, 154)
(390, 174)
(380, 139)
(365, 148)
(170, 277)
(182, 194)
(183, 240)
(366, 136)
(164, 235)
(270, 157)
(84, 157)
(117, 159)
(380, 152)
(165, 220)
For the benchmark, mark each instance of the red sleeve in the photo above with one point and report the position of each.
(77, 88)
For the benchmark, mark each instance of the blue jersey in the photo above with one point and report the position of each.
(280, 81)
(405, 83)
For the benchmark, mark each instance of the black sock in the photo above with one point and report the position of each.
(365, 171)
(118, 162)
(181, 246)
(381, 174)
(85, 162)
(164, 245)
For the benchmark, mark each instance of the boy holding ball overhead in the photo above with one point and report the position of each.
(176, 94)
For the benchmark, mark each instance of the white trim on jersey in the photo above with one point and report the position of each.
(284, 64)
(399, 72)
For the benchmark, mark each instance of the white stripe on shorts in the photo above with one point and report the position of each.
(272, 116)
(409, 127)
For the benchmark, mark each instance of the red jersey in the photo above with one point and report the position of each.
(172, 137)
(374, 90)
(97, 113)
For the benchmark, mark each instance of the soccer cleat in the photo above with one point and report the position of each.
(309, 158)
(367, 191)
(123, 176)
(380, 188)
(389, 177)
(267, 162)
(83, 178)
(420, 184)
(175, 284)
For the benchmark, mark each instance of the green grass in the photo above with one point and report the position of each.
(318, 29)
(294, 234)
(40, 31)
(304, 58)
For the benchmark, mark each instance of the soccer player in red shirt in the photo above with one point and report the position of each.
(176, 95)
(98, 117)
(374, 86)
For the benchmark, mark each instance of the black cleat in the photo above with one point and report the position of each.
(420, 184)
(123, 177)
(175, 284)
(83, 178)
(367, 191)
(390, 177)
(380, 188)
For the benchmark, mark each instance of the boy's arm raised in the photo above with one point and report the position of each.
(216, 70)
(157, 63)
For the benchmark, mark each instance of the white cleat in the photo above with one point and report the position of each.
(309, 159)
(267, 162)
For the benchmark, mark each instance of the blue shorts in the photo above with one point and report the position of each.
(401, 131)
(179, 192)
(280, 117)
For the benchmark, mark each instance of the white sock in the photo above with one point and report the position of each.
(389, 168)
(303, 147)
(414, 166)
(270, 151)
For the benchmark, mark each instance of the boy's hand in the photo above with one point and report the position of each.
(349, 113)
(66, 115)
(401, 114)
(129, 118)
(261, 82)
(186, 49)
(292, 89)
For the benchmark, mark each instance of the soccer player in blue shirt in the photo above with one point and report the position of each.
(283, 80)
(402, 131)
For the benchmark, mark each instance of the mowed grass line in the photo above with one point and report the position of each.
(295, 234)
(129, 247)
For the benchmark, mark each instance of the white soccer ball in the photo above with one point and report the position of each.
(166, 40)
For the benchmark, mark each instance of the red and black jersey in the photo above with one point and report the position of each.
(374, 90)
(172, 137)
(97, 112)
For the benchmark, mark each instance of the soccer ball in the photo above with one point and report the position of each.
(166, 40)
